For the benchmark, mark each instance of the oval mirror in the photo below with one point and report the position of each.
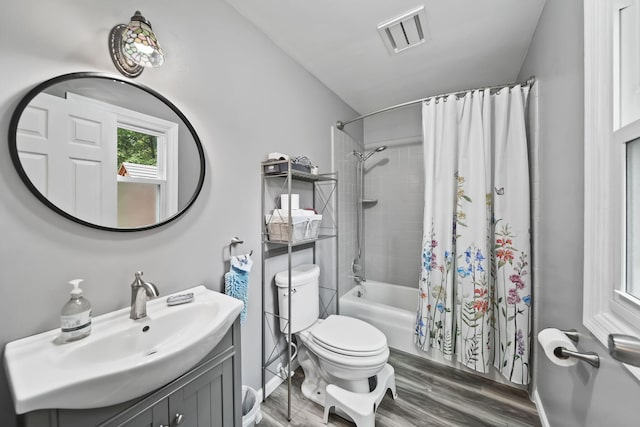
(106, 152)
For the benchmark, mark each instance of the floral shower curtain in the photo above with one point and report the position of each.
(475, 287)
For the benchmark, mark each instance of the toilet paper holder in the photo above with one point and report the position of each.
(572, 334)
(591, 357)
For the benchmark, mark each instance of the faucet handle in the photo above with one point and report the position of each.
(150, 288)
(138, 280)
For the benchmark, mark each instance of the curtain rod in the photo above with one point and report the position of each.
(340, 125)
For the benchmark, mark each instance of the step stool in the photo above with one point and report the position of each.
(361, 407)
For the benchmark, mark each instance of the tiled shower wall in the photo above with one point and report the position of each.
(395, 177)
(344, 162)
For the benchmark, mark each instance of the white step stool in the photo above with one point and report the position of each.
(361, 407)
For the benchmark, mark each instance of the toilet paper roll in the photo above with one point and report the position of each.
(552, 338)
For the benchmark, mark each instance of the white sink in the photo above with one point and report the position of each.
(122, 359)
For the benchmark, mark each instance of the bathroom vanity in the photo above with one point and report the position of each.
(180, 364)
(207, 395)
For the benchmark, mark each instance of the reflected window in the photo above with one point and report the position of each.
(138, 203)
(139, 184)
(137, 148)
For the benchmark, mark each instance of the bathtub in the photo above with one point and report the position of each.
(390, 308)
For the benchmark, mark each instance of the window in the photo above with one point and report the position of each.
(626, 115)
(632, 258)
(612, 168)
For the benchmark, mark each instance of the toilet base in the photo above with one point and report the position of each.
(314, 386)
(316, 378)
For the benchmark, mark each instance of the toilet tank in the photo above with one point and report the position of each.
(305, 295)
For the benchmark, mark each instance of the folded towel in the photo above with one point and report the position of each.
(236, 281)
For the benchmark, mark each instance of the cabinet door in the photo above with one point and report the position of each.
(154, 416)
(145, 419)
(207, 401)
(113, 416)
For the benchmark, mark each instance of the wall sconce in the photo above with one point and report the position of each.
(134, 46)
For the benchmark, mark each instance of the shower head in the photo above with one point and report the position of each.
(363, 157)
(371, 153)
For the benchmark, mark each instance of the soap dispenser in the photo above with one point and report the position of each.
(75, 319)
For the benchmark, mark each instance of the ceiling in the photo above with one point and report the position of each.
(470, 43)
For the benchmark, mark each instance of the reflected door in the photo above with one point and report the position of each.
(68, 150)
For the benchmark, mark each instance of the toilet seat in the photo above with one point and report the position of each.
(343, 361)
(344, 352)
(348, 336)
(348, 351)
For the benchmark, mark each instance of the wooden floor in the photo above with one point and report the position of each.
(429, 394)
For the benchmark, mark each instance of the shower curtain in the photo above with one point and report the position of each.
(475, 287)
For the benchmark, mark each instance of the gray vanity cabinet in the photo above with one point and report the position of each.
(206, 401)
(209, 395)
(157, 415)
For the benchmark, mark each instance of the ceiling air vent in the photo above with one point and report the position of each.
(404, 32)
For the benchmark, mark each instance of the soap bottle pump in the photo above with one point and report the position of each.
(75, 319)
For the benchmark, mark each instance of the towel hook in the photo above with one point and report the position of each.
(236, 241)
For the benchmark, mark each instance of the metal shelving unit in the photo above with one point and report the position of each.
(325, 202)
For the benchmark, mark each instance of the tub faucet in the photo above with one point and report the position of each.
(140, 290)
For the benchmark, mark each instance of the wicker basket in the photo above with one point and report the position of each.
(304, 227)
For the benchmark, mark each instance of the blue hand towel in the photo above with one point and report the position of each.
(236, 281)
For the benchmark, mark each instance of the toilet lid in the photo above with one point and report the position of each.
(350, 336)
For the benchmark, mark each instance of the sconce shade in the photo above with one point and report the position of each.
(135, 46)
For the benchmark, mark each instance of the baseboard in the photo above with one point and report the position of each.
(275, 382)
(271, 385)
(543, 415)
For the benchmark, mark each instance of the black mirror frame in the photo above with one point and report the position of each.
(13, 146)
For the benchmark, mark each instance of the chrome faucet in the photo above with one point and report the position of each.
(140, 290)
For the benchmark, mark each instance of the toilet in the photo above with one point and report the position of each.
(338, 350)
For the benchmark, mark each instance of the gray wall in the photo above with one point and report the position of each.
(245, 98)
(580, 395)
